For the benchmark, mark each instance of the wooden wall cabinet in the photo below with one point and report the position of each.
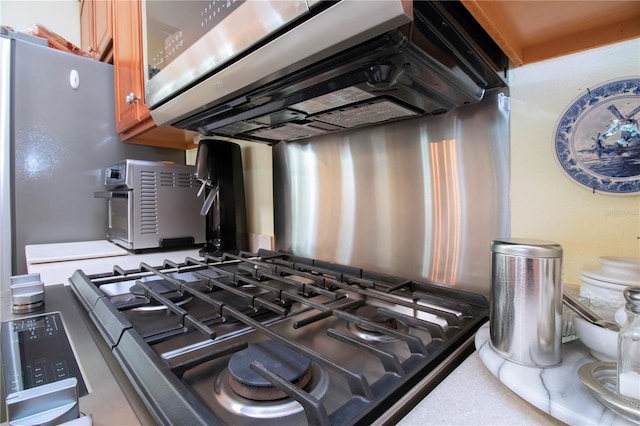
(111, 31)
(133, 119)
(96, 36)
(532, 31)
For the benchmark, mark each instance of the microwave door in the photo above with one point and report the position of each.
(183, 41)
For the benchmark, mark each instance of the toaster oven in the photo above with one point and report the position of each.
(152, 204)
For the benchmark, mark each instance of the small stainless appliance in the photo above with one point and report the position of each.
(152, 204)
(219, 169)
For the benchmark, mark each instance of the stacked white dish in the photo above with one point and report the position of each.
(603, 285)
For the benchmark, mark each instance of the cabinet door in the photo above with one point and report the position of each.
(86, 25)
(102, 10)
(133, 119)
(96, 28)
(127, 61)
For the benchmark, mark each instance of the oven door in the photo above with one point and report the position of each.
(120, 229)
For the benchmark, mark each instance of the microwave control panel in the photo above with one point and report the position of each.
(172, 27)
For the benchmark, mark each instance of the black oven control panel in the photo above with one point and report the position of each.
(36, 351)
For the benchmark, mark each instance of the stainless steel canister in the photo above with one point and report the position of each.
(525, 319)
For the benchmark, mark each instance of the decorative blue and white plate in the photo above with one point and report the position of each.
(597, 140)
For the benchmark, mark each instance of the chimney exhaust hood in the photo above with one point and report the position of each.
(322, 67)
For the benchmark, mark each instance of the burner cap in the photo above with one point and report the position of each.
(159, 286)
(275, 357)
(372, 314)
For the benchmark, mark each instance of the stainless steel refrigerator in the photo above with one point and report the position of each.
(57, 134)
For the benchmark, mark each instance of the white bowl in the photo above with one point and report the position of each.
(603, 286)
(602, 342)
(604, 297)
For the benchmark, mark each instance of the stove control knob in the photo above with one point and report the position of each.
(60, 399)
(27, 293)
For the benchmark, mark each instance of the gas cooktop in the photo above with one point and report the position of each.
(272, 338)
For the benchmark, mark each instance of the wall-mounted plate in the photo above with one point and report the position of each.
(597, 140)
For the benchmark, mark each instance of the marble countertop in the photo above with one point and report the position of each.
(487, 389)
(557, 391)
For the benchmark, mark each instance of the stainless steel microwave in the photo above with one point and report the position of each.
(274, 70)
(186, 40)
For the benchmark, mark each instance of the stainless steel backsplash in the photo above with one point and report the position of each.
(420, 199)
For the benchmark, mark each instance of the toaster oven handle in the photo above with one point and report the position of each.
(111, 194)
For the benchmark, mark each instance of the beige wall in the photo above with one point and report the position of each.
(60, 16)
(545, 202)
(258, 186)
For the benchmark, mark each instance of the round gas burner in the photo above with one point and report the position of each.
(137, 300)
(281, 408)
(155, 306)
(163, 287)
(372, 314)
(276, 358)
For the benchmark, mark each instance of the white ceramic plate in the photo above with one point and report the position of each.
(604, 285)
(619, 265)
(620, 278)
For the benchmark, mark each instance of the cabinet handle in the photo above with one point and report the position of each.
(131, 98)
(91, 50)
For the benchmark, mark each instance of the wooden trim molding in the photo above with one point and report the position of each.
(533, 31)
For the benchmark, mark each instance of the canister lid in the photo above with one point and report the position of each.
(632, 296)
(526, 247)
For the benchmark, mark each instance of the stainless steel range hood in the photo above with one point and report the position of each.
(343, 65)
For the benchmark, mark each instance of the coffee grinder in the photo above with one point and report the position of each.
(219, 169)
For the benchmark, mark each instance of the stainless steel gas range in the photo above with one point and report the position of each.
(270, 338)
